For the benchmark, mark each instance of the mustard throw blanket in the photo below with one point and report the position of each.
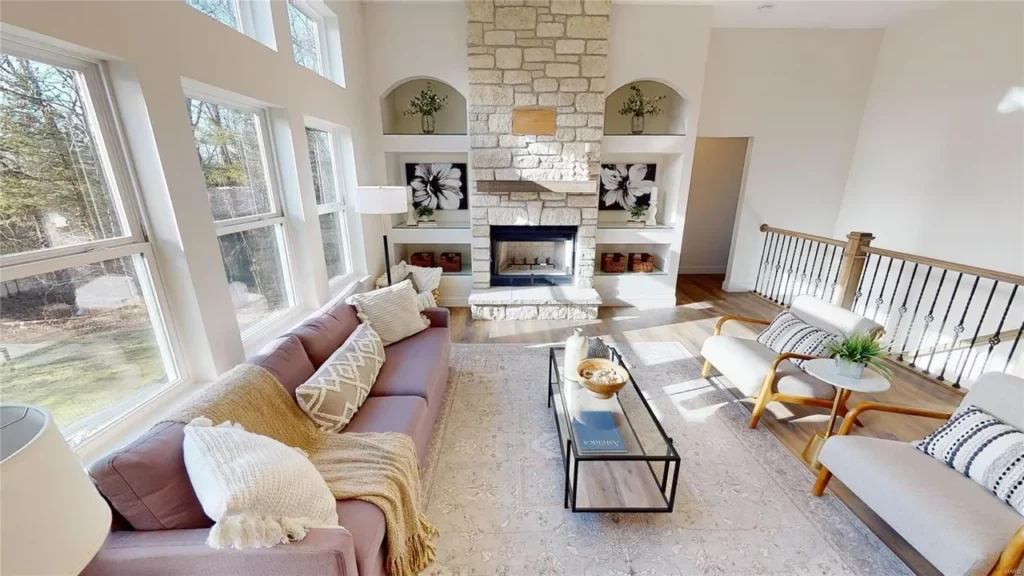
(379, 468)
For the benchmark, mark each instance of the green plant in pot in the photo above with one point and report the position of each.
(855, 352)
(424, 213)
(637, 212)
(639, 105)
(426, 105)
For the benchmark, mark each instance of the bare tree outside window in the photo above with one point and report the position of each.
(224, 11)
(305, 39)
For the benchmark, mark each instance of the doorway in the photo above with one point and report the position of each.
(715, 183)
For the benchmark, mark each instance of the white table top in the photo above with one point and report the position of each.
(824, 369)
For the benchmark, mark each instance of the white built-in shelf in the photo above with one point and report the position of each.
(643, 144)
(657, 272)
(662, 234)
(424, 143)
(454, 233)
(467, 270)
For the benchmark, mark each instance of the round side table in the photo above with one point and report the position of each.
(824, 369)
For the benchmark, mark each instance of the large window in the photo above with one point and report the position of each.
(224, 11)
(330, 202)
(307, 36)
(81, 329)
(233, 145)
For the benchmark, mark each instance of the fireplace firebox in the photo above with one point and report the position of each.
(532, 255)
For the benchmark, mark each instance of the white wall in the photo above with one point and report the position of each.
(718, 165)
(800, 95)
(937, 170)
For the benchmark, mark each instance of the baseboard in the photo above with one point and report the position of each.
(736, 287)
(702, 269)
(641, 303)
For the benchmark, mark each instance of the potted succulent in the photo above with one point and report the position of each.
(640, 105)
(424, 213)
(637, 214)
(426, 105)
(855, 352)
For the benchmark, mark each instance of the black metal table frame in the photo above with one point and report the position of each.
(671, 460)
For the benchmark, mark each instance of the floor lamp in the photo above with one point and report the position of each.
(382, 200)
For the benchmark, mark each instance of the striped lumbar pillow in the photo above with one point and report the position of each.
(787, 333)
(983, 448)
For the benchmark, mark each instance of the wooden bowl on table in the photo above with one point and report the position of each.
(605, 390)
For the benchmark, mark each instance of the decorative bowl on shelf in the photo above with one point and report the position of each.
(603, 378)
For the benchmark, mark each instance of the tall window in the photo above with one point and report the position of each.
(307, 36)
(81, 329)
(233, 150)
(330, 202)
(224, 11)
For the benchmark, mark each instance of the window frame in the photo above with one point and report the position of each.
(254, 21)
(117, 166)
(327, 25)
(276, 218)
(339, 207)
(323, 58)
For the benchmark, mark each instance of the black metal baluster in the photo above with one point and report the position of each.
(958, 329)
(831, 260)
(984, 312)
(994, 339)
(938, 337)
(782, 277)
(835, 279)
(892, 298)
(794, 267)
(871, 287)
(881, 292)
(778, 267)
(814, 262)
(929, 318)
(766, 264)
(910, 327)
(860, 283)
(903, 310)
(760, 267)
(1013, 348)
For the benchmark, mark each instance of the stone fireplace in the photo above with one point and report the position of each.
(533, 255)
(547, 56)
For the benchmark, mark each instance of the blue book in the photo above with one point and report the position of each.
(596, 432)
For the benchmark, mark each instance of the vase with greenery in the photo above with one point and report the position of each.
(855, 352)
(637, 212)
(424, 213)
(426, 105)
(639, 105)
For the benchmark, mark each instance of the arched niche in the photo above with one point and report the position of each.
(672, 119)
(450, 120)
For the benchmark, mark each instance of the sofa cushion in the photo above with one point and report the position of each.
(392, 312)
(403, 414)
(745, 363)
(412, 367)
(322, 334)
(956, 524)
(147, 484)
(340, 386)
(286, 359)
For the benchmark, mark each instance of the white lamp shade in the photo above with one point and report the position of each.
(52, 519)
(381, 200)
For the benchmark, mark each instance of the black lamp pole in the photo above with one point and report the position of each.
(387, 259)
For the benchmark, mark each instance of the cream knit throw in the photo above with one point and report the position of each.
(379, 468)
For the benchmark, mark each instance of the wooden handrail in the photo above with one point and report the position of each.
(811, 237)
(972, 270)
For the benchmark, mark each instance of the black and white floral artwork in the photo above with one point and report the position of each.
(439, 185)
(625, 185)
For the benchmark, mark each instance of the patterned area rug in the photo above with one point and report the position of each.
(494, 483)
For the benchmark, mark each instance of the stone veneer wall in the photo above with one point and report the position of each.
(536, 53)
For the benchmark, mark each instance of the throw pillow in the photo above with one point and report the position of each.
(787, 333)
(392, 312)
(258, 491)
(983, 448)
(334, 393)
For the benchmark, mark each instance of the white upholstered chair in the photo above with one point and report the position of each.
(954, 522)
(757, 371)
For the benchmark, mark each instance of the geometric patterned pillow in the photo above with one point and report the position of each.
(983, 448)
(787, 333)
(333, 394)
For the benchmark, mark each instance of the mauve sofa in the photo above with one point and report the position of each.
(159, 525)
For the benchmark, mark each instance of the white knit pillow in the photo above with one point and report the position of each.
(392, 312)
(258, 491)
(787, 333)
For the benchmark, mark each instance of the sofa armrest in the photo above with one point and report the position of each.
(438, 317)
(327, 551)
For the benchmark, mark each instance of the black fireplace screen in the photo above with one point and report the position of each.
(532, 255)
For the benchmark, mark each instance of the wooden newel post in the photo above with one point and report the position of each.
(851, 268)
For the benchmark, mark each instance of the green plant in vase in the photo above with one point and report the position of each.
(857, 351)
(639, 106)
(426, 105)
(637, 212)
(424, 213)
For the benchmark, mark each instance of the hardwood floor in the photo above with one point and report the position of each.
(700, 301)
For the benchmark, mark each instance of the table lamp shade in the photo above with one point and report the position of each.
(381, 200)
(52, 519)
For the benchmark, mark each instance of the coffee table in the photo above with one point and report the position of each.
(642, 478)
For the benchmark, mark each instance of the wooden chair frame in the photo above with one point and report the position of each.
(1012, 555)
(768, 391)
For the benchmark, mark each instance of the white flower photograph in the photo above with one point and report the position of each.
(626, 185)
(441, 186)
